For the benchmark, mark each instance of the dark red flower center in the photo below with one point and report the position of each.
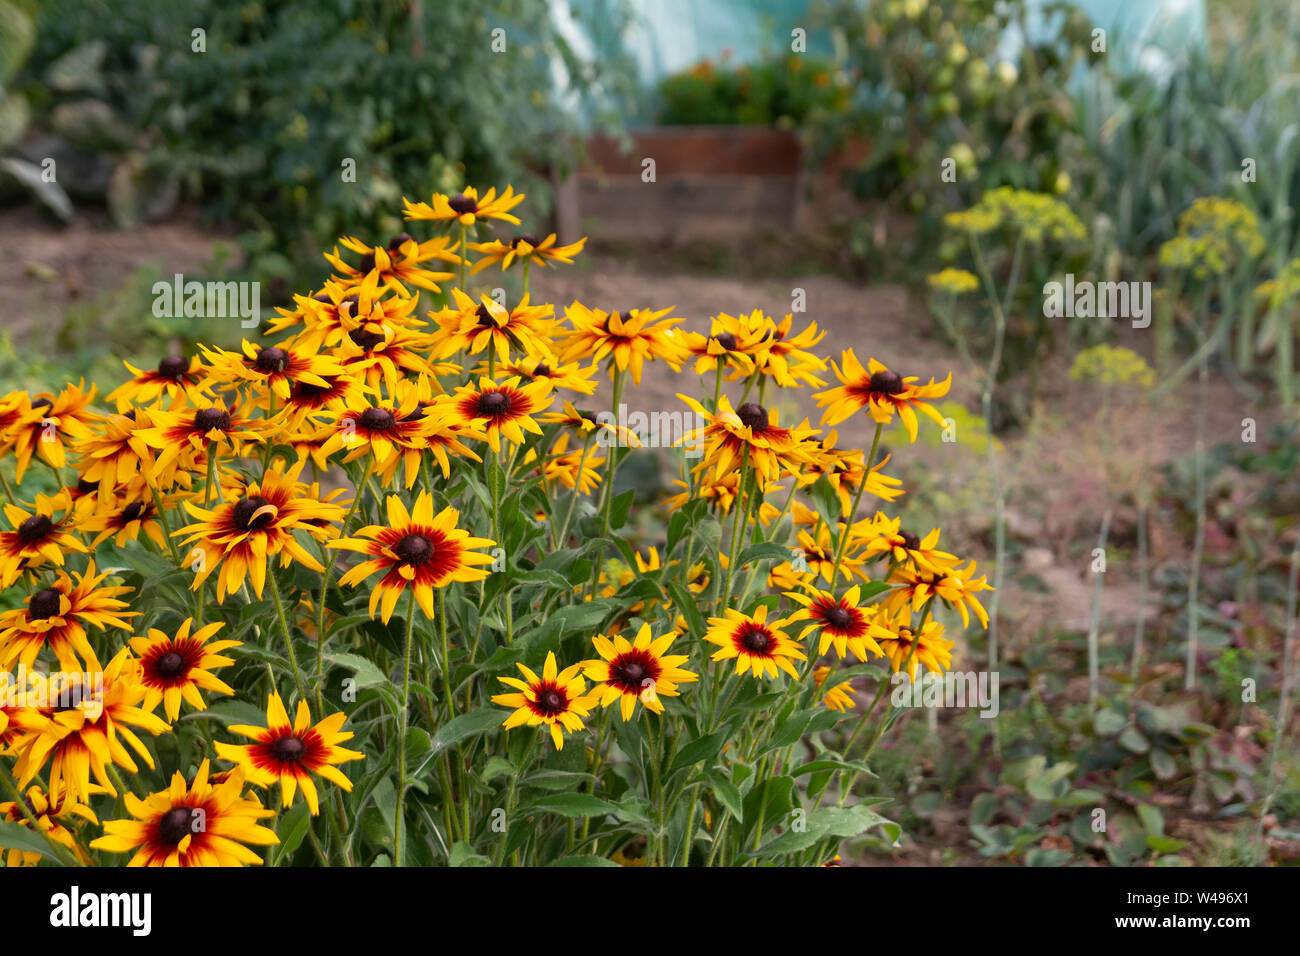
(34, 529)
(414, 549)
(753, 416)
(493, 403)
(461, 204)
(364, 339)
(755, 639)
(44, 604)
(206, 419)
(288, 749)
(377, 419)
(551, 701)
(887, 382)
(171, 664)
(173, 367)
(242, 516)
(839, 617)
(175, 825)
(272, 360)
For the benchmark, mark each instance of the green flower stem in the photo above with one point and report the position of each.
(848, 525)
(288, 634)
(325, 581)
(404, 721)
(167, 531)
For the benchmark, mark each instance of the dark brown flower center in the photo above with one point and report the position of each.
(272, 360)
(485, 319)
(365, 339)
(414, 549)
(461, 204)
(367, 263)
(632, 672)
(173, 367)
(886, 382)
(44, 604)
(527, 237)
(493, 403)
(288, 749)
(542, 370)
(911, 541)
(242, 517)
(175, 825)
(307, 392)
(755, 639)
(350, 304)
(34, 529)
(839, 617)
(133, 511)
(206, 419)
(86, 487)
(753, 416)
(551, 701)
(726, 340)
(171, 664)
(42, 403)
(396, 242)
(377, 419)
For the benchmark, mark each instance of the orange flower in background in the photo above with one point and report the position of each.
(506, 409)
(475, 326)
(37, 536)
(524, 247)
(626, 339)
(51, 813)
(173, 376)
(183, 432)
(47, 424)
(394, 268)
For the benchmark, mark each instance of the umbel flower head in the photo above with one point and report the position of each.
(639, 670)
(417, 549)
(291, 753)
(191, 824)
(557, 699)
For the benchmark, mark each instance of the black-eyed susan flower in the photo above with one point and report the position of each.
(956, 587)
(182, 433)
(466, 208)
(272, 368)
(55, 617)
(818, 555)
(191, 824)
(749, 436)
(52, 815)
(179, 666)
(291, 753)
(574, 377)
(114, 452)
(784, 358)
(887, 536)
(557, 699)
(445, 431)
(80, 725)
(387, 431)
(382, 354)
(417, 548)
(637, 670)
(755, 643)
(473, 327)
(174, 375)
(627, 339)
(125, 516)
(839, 697)
(396, 267)
(906, 647)
(506, 409)
(881, 391)
(844, 623)
(37, 536)
(48, 424)
(255, 523)
(579, 468)
(525, 248)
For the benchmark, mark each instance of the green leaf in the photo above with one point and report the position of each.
(583, 861)
(765, 551)
(845, 821)
(460, 728)
(293, 828)
(18, 837)
(1133, 740)
(701, 748)
(577, 805)
(687, 605)
(729, 796)
(620, 507)
(367, 674)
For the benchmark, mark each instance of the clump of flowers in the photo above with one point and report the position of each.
(377, 556)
